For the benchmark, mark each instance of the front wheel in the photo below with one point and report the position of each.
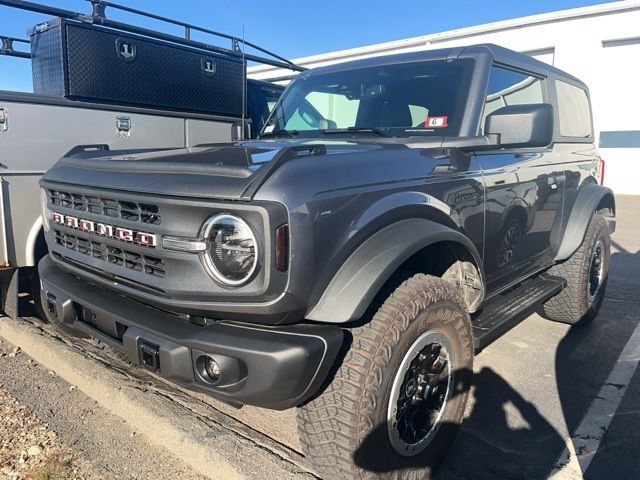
(39, 303)
(34, 289)
(398, 398)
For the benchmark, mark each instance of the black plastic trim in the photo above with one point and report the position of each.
(358, 280)
(589, 197)
(284, 365)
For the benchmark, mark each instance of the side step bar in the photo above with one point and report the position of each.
(506, 310)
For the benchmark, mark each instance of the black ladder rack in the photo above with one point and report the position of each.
(98, 17)
(6, 47)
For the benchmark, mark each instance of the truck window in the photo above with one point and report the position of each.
(338, 109)
(410, 99)
(509, 87)
(272, 97)
(573, 111)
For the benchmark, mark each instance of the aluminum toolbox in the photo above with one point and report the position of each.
(86, 62)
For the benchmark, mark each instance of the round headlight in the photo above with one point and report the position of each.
(232, 256)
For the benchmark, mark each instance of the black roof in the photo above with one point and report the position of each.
(494, 52)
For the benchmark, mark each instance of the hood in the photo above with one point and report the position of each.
(233, 171)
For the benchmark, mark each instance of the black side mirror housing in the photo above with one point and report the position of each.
(522, 126)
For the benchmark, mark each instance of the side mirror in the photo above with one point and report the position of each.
(522, 126)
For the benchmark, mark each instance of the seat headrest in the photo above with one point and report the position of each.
(396, 114)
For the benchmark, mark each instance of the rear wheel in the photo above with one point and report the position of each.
(586, 274)
(398, 398)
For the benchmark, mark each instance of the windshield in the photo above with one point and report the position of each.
(402, 100)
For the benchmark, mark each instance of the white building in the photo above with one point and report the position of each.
(599, 44)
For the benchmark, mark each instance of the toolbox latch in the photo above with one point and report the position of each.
(126, 50)
(208, 66)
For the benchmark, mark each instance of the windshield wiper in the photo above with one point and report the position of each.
(382, 132)
(280, 132)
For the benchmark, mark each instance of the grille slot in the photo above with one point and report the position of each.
(108, 207)
(118, 256)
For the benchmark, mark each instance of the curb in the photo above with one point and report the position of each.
(210, 449)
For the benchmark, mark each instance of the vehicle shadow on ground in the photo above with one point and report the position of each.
(487, 436)
(487, 447)
(586, 355)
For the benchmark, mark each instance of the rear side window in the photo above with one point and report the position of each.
(573, 111)
(510, 87)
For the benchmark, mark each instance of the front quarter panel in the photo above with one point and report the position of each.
(338, 201)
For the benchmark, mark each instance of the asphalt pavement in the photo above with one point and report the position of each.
(535, 385)
(547, 399)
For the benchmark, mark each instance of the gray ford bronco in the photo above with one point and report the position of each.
(396, 215)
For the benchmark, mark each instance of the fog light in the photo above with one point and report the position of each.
(208, 368)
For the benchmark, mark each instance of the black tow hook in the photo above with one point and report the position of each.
(148, 355)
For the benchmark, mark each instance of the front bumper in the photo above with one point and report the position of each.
(272, 367)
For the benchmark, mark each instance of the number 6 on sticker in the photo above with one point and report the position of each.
(439, 121)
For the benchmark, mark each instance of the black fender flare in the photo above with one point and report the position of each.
(589, 198)
(365, 271)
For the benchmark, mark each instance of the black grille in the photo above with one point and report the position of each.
(132, 211)
(118, 256)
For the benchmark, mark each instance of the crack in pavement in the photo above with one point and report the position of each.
(209, 421)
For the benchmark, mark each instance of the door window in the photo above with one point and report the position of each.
(509, 87)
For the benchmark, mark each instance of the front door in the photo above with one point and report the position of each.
(524, 191)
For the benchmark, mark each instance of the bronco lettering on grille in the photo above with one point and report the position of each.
(117, 233)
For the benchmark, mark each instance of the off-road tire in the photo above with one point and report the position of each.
(34, 290)
(36, 293)
(343, 430)
(573, 305)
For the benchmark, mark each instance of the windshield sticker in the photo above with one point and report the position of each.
(269, 128)
(439, 121)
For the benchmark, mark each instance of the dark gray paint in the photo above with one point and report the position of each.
(338, 194)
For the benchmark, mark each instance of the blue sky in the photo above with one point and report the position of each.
(294, 28)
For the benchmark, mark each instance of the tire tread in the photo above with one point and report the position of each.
(331, 425)
(570, 305)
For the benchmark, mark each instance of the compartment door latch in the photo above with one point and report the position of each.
(4, 119)
(123, 125)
